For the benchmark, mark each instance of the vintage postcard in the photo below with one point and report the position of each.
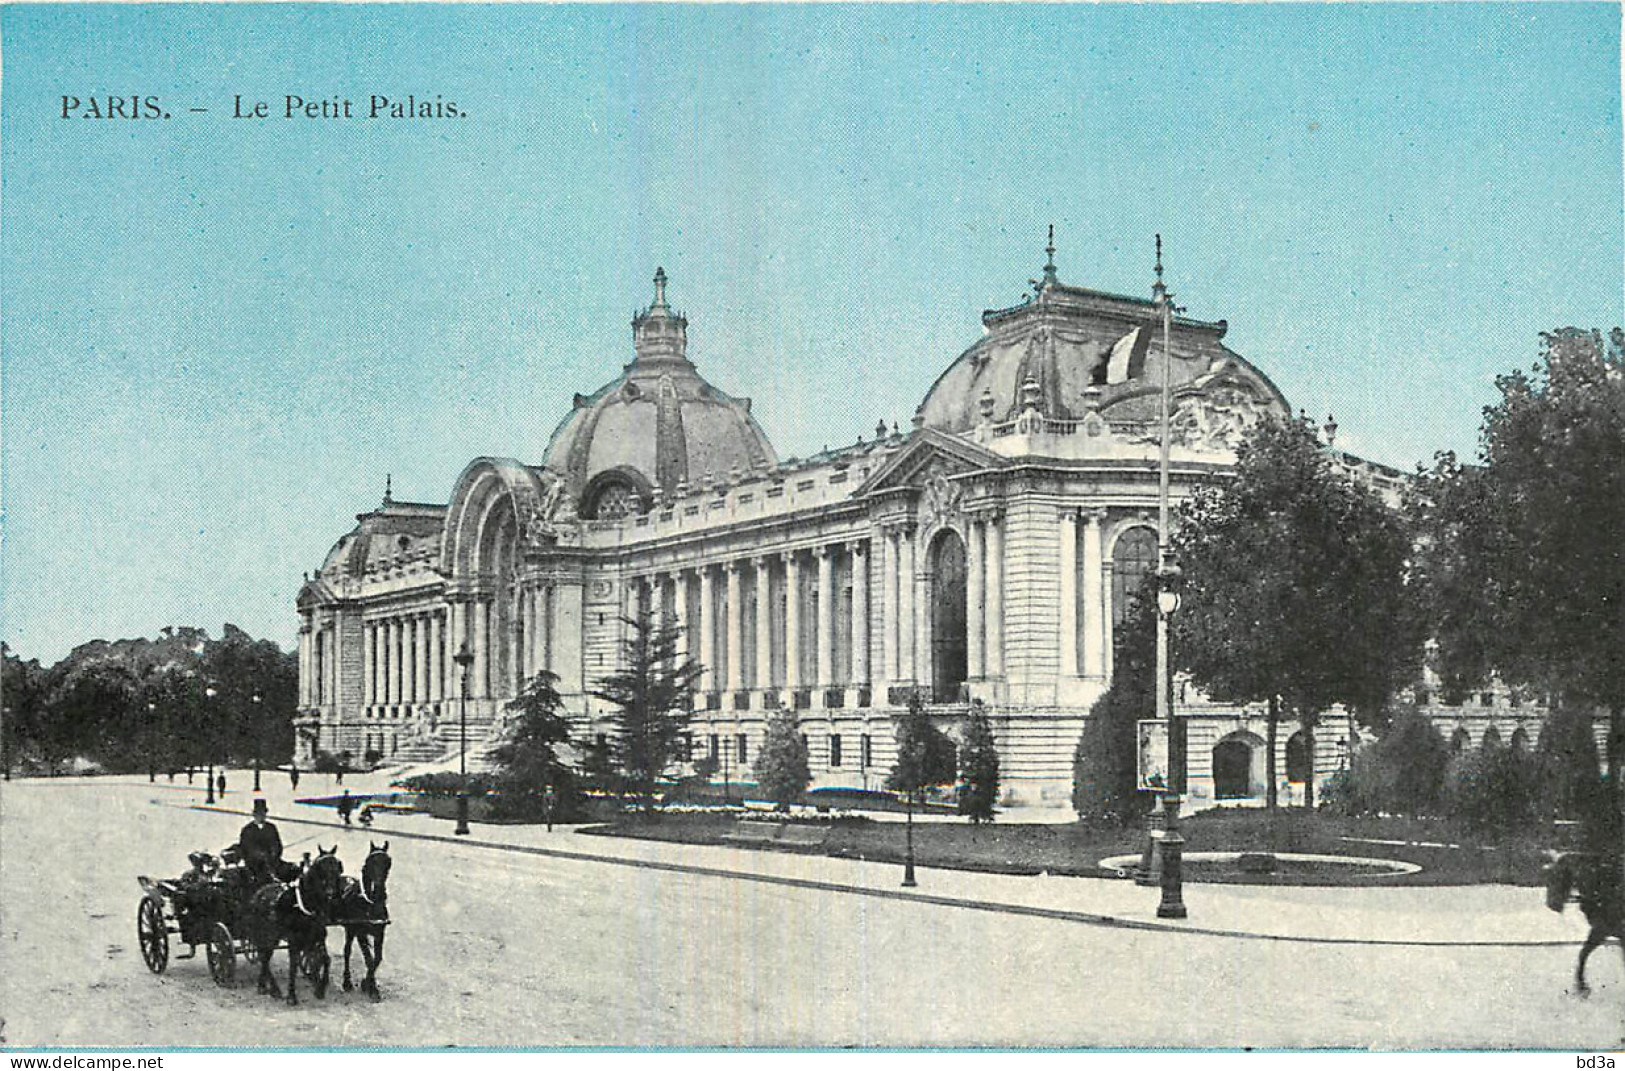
(870, 526)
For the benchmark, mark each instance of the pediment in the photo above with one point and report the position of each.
(315, 593)
(930, 456)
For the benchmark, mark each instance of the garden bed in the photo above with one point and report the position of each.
(1443, 855)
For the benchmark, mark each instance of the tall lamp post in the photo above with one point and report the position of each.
(464, 659)
(256, 737)
(152, 741)
(1172, 905)
(209, 693)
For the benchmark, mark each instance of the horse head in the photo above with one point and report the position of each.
(375, 871)
(323, 879)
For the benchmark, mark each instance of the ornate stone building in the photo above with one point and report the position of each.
(985, 554)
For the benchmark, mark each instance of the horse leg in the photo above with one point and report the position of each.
(293, 971)
(374, 955)
(349, 939)
(1593, 939)
(267, 979)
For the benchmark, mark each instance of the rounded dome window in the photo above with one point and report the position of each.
(613, 495)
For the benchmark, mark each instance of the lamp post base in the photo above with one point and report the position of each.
(1172, 850)
(462, 815)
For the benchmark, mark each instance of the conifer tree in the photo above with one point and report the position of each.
(782, 769)
(978, 767)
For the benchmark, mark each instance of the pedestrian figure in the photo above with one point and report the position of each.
(220, 783)
(346, 804)
(188, 775)
(293, 777)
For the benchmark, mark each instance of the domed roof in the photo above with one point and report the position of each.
(1066, 350)
(658, 425)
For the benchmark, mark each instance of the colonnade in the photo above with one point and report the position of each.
(1083, 654)
(404, 659)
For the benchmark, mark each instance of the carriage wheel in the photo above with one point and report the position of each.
(152, 935)
(222, 955)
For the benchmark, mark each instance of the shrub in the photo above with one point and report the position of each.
(1402, 773)
(782, 771)
(1494, 789)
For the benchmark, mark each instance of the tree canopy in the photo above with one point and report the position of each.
(1295, 585)
(1521, 553)
(978, 767)
(925, 755)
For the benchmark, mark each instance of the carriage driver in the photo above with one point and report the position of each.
(261, 847)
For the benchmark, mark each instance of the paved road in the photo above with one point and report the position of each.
(492, 947)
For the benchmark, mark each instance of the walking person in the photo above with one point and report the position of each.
(293, 777)
(220, 783)
(346, 805)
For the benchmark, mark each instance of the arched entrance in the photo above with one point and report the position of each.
(947, 616)
(1297, 758)
(1236, 759)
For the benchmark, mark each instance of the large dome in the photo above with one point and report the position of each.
(656, 427)
(1067, 350)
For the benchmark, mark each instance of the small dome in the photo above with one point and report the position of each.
(1067, 350)
(657, 425)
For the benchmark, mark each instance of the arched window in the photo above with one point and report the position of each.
(948, 616)
(612, 500)
(1133, 559)
(1492, 739)
(1459, 740)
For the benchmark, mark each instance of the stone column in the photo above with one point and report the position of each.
(860, 612)
(905, 605)
(1069, 592)
(680, 608)
(437, 655)
(922, 619)
(824, 672)
(304, 666)
(481, 609)
(975, 611)
(386, 662)
(566, 632)
(537, 635)
(888, 605)
(420, 689)
(764, 625)
(1094, 608)
(708, 638)
(459, 637)
(333, 663)
(792, 621)
(995, 596)
(734, 625)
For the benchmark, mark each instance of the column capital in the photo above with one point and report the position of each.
(827, 550)
(1068, 513)
(763, 561)
(1093, 515)
(735, 565)
(858, 546)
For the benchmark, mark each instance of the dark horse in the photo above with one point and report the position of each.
(364, 914)
(1597, 881)
(297, 912)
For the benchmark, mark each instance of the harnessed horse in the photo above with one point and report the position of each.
(1599, 885)
(297, 912)
(364, 913)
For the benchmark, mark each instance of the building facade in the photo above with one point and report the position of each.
(984, 554)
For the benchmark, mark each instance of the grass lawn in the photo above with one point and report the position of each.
(1446, 854)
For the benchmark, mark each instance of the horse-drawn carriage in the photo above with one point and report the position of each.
(205, 906)
(231, 912)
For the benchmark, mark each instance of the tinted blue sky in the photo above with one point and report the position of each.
(219, 335)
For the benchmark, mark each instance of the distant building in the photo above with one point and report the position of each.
(986, 553)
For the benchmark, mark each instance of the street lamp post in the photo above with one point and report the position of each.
(209, 693)
(908, 844)
(1172, 842)
(255, 699)
(464, 659)
(152, 742)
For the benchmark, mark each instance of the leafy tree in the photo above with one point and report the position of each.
(782, 770)
(22, 725)
(1494, 789)
(1295, 588)
(1105, 766)
(1520, 552)
(652, 697)
(978, 767)
(925, 755)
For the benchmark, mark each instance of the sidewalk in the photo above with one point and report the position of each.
(1474, 915)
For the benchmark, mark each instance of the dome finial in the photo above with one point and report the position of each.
(1050, 278)
(389, 485)
(660, 289)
